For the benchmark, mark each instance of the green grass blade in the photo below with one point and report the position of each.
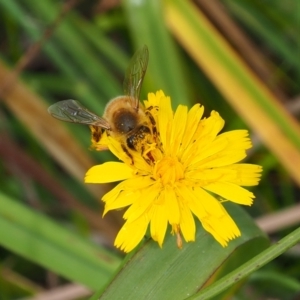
(147, 26)
(80, 52)
(258, 23)
(255, 263)
(48, 244)
(81, 89)
(103, 46)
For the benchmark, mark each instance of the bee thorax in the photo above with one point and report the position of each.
(125, 121)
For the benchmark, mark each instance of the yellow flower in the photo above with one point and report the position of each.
(193, 169)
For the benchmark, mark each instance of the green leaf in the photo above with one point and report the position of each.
(147, 26)
(85, 57)
(170, 273)
(250, 266)
(259, 23)
(48, 244)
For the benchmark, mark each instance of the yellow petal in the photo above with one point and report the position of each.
(236, 139)
(201, 152)
(108, 172)
(187, 223)
(228, 141)
(206, 132)
(159, 222)
(171, 205)
(206, 176)
(125, 198)
(154, 99)
(190, 199)
(140, 164)
(137, 182)
(142, 204)
(220, 160)
(210, 128)
(126, 192)
(240, 174)
(132, 233)
(192, 123)
(223, 228)
(178, 129)
(116, 148)
(209, 203)
(165, 117)
(225, 149)
(243, 174)
(131, 185)
(231, 192)
(112, 194)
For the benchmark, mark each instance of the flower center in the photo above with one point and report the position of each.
(168, 170)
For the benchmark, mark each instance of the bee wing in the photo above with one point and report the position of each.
(72, 111)
(135, 74)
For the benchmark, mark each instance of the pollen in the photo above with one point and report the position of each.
(169, 171)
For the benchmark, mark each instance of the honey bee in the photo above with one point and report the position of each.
(125, 118)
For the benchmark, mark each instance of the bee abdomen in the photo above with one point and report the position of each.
(96, 133)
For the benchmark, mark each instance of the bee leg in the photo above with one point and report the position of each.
(153, 123)
(148, 157)
(149, 115)
(150, 160)
(127, 153)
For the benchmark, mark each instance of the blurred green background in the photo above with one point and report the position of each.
(240, 58)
